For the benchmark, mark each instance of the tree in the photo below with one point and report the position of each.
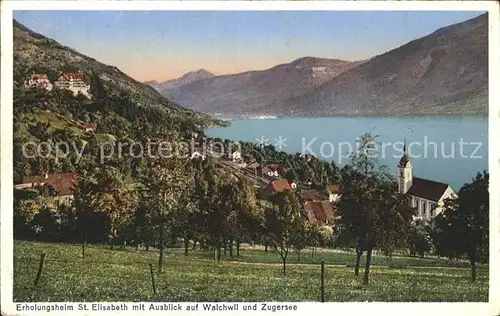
(114, 196)
(167, 182)
(244, 218)
(27, 204)
(371, 211)
(284, 221)
(303, 236)
(463, 225)
(419, 238)
(83, 203)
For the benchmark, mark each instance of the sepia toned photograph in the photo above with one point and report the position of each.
(248, 156)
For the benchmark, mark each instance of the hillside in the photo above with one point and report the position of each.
(252, 92)
(445, 72)
(34, 52)
(119, 107)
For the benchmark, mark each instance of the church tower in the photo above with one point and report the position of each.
(405, 177)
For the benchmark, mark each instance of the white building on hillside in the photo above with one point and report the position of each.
(38, 81)
(74, 82)
(236, 155)
(426, 195)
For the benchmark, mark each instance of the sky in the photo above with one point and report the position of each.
(162, 45)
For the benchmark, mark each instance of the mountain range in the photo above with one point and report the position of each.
(445, 72)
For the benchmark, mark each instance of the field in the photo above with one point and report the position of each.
(124, 275)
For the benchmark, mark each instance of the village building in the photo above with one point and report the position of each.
(316, 207)
(74, 82)
(427, 196)
(89, 127)
(236, 156)
(271, 170)
(319, 212)
(333, 192)
(38, 81)
(60, 184)
(279, 185)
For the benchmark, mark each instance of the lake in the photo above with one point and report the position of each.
(449, 149)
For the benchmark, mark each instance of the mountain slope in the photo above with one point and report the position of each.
(35, 52)
(445, 72)
(251, 92)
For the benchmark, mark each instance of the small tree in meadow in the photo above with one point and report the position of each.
(284, 221)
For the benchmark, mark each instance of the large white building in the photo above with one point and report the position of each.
(427, 196)
(74, 82)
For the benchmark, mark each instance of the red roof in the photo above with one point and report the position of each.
(321, 211)
(68, 76)
(90, 125)
(279, 185)
(403, 161)
(334, 188)
(62, 183)
(38, 76)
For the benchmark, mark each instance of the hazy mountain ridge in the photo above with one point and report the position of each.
(250, 92)
(445, 72)
(190, 77)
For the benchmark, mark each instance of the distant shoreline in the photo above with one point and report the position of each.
(275, 117)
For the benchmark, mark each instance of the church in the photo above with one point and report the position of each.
(426, 196)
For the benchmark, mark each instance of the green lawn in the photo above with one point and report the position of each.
(57, 121)
(123, 275)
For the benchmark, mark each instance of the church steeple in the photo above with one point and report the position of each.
(405, 177)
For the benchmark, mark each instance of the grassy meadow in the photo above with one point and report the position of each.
(256, 275)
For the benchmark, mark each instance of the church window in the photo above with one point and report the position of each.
(433, 209)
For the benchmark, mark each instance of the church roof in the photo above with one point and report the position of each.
(403, 161)
(427, 189)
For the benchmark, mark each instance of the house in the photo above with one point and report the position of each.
(74, 82)
(279, 185)
(319, 212)
(427, 196)
(38, 81)
(197, 155)
(271, 170)
(61, 184)
(236, 156)
(333, 192)
(89, 127)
